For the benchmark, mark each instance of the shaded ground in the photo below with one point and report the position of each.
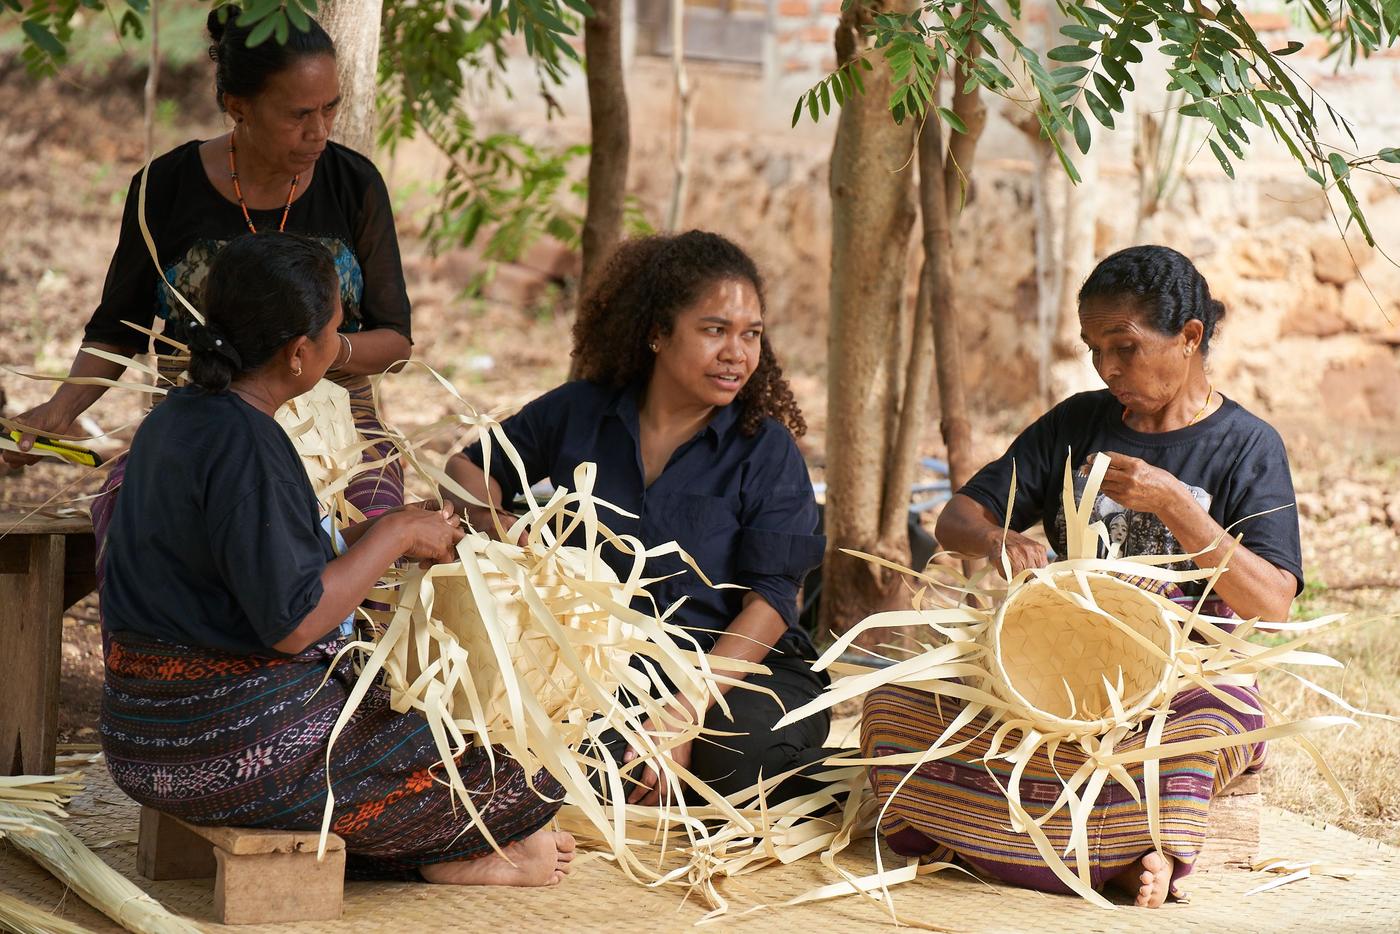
(67, 153)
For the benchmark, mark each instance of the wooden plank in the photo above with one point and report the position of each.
(15, 521)
(1232, 832)
(79, 567)
(166, 848)
(250, 841)
(266, 888)
(1250, 783)
(31, 640)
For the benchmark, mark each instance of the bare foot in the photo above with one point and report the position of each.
(1148, 880)
(543, 858)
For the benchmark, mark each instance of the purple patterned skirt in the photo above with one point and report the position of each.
(231, 740)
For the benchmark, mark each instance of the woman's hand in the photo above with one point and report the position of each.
(484, 519)
(649, 790)
(428, 535)
(1139, 486)
(1022, 552)
(50, 418)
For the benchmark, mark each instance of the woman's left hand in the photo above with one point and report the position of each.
(1139, 486)
(649, 789)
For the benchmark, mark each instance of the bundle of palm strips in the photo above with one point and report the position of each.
(30, 806)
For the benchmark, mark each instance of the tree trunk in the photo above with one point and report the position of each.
(938, 248)
(872, 213)
(611, 139)
(685, 119)
(354, 27)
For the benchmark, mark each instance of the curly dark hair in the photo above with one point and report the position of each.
(645, 284)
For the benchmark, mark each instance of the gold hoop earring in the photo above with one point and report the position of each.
(653, 348)
(296, 370)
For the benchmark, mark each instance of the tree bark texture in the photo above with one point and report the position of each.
(872, 215)
(611, 137)
(354, 27)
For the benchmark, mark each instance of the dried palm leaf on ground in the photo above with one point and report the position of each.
(1073, 653)
(24, 918)
(29, 806)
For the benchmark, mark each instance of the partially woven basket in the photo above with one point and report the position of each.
(462, 639)
(1081, 652)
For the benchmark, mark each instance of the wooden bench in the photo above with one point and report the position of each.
(1232, 829)
(46, 565)
(260, 876)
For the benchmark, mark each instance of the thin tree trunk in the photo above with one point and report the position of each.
(962, 147)
(152, 80)
(611, 138)
(954, 423)
(872, 214)
(921, 354)
(684, 117)
(354, 27)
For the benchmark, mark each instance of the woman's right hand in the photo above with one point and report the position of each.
(427, 535)
(47, 419)
(1022, 552)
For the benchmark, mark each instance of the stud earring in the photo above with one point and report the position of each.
(653, 347)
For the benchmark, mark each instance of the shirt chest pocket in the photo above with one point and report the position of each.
(705, 526)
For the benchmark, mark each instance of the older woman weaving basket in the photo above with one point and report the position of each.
(1186, 463)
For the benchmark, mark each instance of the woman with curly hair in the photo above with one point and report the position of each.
(682, 405)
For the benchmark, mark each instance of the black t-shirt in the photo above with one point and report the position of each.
(346, 207)
(1233, 463)
(216, 538)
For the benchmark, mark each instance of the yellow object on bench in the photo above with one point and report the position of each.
(260, 876)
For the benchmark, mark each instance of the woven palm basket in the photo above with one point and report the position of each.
(1079, 652)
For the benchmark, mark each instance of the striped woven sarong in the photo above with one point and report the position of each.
(955, 808)
(230, 740)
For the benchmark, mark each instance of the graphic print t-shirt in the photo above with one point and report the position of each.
(1233, 463)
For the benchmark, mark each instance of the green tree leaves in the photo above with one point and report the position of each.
(1226, 76)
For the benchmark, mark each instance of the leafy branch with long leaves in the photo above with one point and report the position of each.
(1228, 76)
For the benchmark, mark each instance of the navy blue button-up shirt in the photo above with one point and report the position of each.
(742, 507)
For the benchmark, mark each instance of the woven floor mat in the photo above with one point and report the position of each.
(598, 898)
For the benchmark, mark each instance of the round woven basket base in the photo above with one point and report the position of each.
(1057, 656)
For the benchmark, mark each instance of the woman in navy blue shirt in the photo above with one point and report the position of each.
(683, 407)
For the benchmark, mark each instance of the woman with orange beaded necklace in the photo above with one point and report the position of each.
(276, 169)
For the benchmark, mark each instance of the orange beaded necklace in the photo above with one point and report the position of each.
(233, 175)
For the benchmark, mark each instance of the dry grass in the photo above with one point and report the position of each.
(1366, 758)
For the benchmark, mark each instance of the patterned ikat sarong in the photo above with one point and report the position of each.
(241, 741)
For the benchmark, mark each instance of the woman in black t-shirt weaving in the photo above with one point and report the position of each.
(223, 598)
(275, 170)
(1186, 464)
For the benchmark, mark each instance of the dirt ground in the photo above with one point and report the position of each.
(66, 155)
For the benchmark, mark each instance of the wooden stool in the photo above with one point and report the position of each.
(260, 876)
(1232, 829)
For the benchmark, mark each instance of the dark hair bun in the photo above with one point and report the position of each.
(243, 71)
(263, 290)
(1163, 284)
